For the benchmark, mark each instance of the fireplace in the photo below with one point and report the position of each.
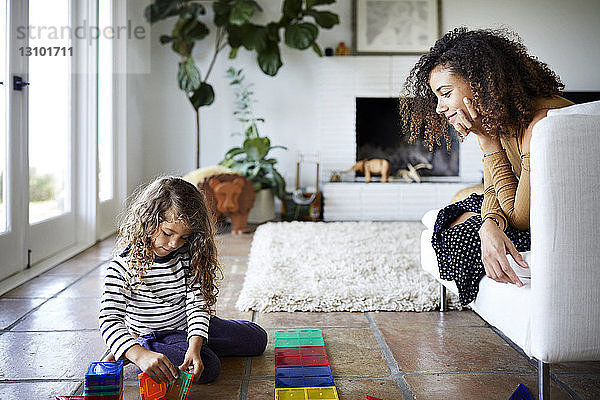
(379, 135)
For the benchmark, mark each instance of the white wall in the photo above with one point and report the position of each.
(161, 121)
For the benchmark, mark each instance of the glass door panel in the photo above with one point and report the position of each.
(3, 122)
(52, 223)
(49, 113)
(105, 106)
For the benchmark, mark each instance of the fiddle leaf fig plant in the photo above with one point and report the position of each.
(251, 158)
(234, 29)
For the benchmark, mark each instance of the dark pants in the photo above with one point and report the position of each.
(226, 338)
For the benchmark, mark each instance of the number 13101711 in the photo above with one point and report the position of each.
(50, 51)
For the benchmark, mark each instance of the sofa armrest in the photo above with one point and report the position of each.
(565, 232)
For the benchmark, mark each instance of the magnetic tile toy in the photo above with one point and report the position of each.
(300, 356)
(151, 390)
(298, 338)
(320, 393)
(297, 377)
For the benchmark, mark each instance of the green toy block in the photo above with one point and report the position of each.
(179, 389)
(299, 338)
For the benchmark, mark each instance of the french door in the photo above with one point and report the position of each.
(57, 173)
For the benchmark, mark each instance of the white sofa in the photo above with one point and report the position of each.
(555, 316)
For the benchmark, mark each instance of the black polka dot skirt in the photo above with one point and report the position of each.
(458, 248)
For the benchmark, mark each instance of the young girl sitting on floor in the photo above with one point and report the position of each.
(160, 289)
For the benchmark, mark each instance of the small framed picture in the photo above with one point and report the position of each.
(395, 26)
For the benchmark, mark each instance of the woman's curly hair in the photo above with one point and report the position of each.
(171, 199)
(504, 78)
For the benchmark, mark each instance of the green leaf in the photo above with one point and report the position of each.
(317, 49)
(203, 96)
(312, 3)
(325, 19)
(235, 35)
(273, 32)
(193, 10)
(234, 152)
(254, 37)
(257, 148)
(292, 8)
(233, 53)
(242, 11)
(269, 59)
(161, 9)
(190, 29)
(222, 11)
(183, 47)
(301, 36)
(188, 75)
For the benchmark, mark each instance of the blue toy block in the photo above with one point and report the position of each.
(307, 376)
(521, 393)
(104, 369)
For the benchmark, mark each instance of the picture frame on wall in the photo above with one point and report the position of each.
(395, 26)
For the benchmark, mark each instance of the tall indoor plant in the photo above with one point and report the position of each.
(232, 19)
(250, 159)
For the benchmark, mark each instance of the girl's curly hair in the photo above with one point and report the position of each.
(171, 198)
(505, 81)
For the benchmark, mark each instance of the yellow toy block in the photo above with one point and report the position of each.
(310, 393)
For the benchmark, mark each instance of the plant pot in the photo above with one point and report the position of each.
(264, 207)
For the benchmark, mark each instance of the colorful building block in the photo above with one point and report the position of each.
(521, 393)
(298, 377)
(104, 381)
(177, 390)
(299, 338)
(180, 389)
(300, 356)
(307, 393)
(373, 398)
(151, 390)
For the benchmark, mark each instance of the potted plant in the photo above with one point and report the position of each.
(251, 158)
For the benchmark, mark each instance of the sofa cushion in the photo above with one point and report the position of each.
(429, 218)
(591, 108)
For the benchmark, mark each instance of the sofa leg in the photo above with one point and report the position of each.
(543, 380)
(443, 298)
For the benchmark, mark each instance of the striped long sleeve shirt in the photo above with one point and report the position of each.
(161, 301)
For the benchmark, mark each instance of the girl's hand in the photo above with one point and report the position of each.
(156, 365)
(494, 247)
(192, 362)
(467, 123)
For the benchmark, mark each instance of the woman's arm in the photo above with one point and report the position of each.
(513, 194)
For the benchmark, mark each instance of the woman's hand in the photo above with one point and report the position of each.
(494, 247)
(193, 362)
(465, 123)
(155, 364)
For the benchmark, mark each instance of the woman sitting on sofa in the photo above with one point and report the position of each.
(484, 83)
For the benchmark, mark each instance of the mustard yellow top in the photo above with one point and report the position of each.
(507, 193)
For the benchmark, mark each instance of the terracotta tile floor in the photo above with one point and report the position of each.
(49, 335)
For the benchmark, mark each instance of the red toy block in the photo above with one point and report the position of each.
(151, 390)
(373, 398)
(300, 356)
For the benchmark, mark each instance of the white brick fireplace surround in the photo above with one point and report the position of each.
(341, 81)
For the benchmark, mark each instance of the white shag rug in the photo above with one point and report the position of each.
(337, 266)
